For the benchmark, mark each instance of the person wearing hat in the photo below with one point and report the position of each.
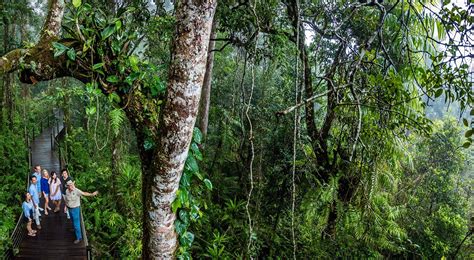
(73, 203)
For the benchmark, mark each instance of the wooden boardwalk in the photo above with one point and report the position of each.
(55, 239)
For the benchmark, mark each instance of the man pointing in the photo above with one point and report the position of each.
(73, 203)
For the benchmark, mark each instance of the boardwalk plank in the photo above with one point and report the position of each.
(55, 239)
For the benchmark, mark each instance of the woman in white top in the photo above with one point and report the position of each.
(55, 191)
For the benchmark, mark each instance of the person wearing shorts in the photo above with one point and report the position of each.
(27, 207)
(55, 191)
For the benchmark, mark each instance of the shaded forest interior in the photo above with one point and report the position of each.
(249, 128)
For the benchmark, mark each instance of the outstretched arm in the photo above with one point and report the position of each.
(87, 194)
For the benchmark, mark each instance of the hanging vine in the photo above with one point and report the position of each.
(295, 132)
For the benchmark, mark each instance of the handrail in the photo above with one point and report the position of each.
(19, 231)
(48, 118)
(84, 234)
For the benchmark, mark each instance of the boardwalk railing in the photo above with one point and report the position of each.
(19, 233)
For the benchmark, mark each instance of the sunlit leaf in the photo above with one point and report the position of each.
(113, 79)
(76, 3)
(208, 184)
(109, 30)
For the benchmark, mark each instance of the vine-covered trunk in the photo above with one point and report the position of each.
(186, 74)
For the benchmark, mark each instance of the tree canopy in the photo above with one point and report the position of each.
(313, 137)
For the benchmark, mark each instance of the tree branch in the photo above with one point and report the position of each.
(306, 101)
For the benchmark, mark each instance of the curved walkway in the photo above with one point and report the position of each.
(55, 239)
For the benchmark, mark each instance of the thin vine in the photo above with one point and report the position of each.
(295, 132)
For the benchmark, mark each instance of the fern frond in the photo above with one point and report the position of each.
(117, 117)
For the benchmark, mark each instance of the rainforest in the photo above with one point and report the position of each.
(236, 129)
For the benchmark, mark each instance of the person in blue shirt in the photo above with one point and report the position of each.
(37, 174)
(35, 198)
(45, 190)
(28, 214)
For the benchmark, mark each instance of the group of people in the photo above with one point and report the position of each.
(52, 188)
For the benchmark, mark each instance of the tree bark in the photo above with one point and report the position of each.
(52, 27)
(46, 66)
(308, 80)
(309, 92)
(206, 86)
(161, 167)
(186, 75)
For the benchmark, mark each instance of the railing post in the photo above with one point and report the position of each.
(60, 158)
(89, 252)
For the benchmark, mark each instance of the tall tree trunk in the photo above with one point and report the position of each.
(308, 90)
(206, 87)
(298, 29)
(186, 75)
(6, 76)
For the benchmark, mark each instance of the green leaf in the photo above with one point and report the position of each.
(186, 239)
(114, 98)
(465, 122)
(198, 175)
(71, 53)
(90, 111)
(76, 3)
(466, 144)
(191, 164)
(438, 92)
(197, 135)
(196, 152)
(134, 63)
(109, 30)
(97, 66)
(183, 197)
(132, 77)
(472, 112)
(184, 216)
(176, 205)
(208, 184)
(185, 180)
(180, 227)
(194, 212)
(118, 25)
(469, 133)
(59, 49)
(113, 79)
(117, 117)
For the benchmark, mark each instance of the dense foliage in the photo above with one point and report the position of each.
(322, 139)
